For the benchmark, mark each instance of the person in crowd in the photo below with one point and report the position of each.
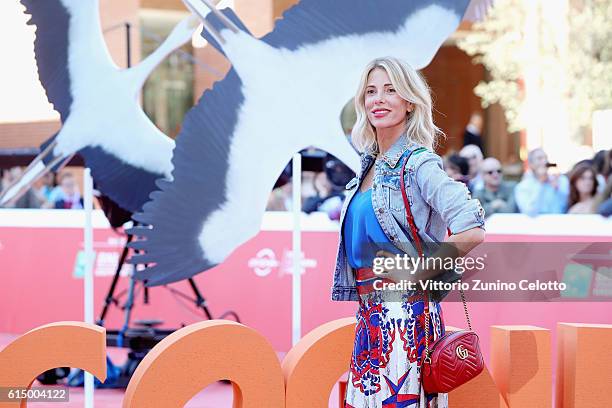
(474, 156)
(457, 168)
(583, 188)
(68, 195)
(327, 198)
(497, 195)
(27, 200)
(603, 200)
(540, 192)
(45, 186)
(473, 131)
(280, 198)
(602, 162)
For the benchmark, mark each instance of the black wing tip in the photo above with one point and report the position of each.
(127, 185)
(28, 12)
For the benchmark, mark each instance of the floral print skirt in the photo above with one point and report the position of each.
(386, 361)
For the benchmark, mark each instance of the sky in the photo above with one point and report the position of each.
(22, 97)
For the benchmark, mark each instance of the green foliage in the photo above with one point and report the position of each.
(568, 56)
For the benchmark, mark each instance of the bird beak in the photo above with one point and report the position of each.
(202, 8)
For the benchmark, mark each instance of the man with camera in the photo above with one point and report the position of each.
(540, 192)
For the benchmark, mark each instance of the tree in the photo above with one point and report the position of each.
(563, 52)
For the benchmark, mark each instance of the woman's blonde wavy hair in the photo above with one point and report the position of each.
(409, 85)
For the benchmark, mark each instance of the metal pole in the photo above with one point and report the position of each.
(88, 273)
(128, 43)
(297, 250)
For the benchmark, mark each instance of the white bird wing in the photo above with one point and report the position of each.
(65, 28)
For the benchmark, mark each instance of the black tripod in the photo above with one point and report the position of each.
(143, 338)
(199, 300)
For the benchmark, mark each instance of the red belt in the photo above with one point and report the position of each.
(365, 278)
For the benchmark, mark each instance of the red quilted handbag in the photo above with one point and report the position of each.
(454, 358)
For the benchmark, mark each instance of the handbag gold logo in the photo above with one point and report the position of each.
(462, 352)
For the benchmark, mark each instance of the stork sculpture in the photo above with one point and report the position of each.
(284, 93)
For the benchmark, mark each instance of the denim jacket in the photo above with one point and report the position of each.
(437, 203)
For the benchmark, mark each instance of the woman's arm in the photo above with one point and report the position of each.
(463, 216)
(456, 246)
(467, 240)
(449, 198)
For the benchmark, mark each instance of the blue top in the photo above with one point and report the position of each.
(363, 235)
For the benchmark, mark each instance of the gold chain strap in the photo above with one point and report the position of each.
(427, 359)
(467, 317)
(414, 229)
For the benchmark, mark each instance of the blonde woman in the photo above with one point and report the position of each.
(394, 121)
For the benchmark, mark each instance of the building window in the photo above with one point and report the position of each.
(168, 92)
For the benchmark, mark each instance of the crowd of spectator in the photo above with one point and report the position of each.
(585, 189)
(322, 191)
(50, 191)
(541, 189)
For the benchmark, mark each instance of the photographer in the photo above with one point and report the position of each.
(540, 192)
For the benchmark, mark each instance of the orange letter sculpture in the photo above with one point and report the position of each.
(521, 365)
(584, 365)
(191, 358)
(61, 344)
(315, 363)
